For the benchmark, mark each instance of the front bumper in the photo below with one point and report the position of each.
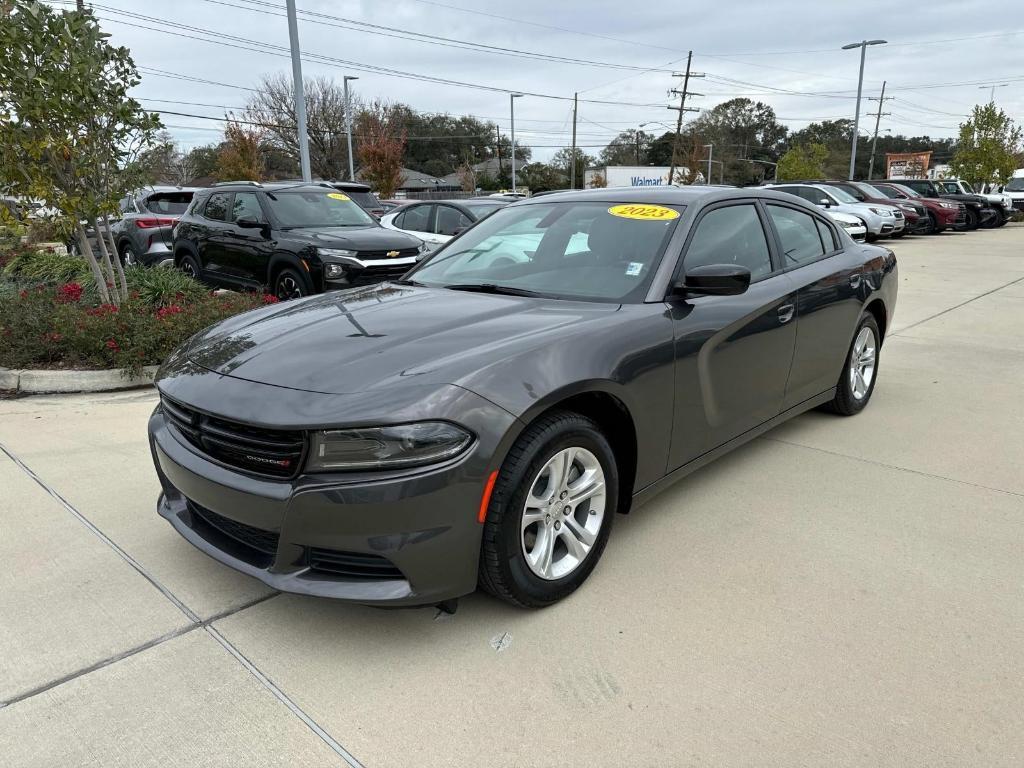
(400, 538)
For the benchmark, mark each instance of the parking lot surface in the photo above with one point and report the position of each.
(843, 592)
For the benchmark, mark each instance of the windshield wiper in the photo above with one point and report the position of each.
(492, 288)
(415, 283)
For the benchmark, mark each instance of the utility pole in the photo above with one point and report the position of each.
(298, 92)
(79, 5)
(572, 157)
(348, 127)
(874, 139)
(681, 109)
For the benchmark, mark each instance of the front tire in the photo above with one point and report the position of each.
(970, 222)
(860, 371)
(550, 513)
(289, 285)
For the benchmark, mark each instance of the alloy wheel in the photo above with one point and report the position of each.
(563, 513)
(288, 288)
(128, 257)
(862, 363)
(189, 268)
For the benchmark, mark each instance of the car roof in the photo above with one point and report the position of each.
(661, 195)
(158, 189)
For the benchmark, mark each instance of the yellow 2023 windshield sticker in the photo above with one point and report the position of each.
(644, 212)
(338, 196)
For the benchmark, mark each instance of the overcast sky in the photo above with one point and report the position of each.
(776, 48)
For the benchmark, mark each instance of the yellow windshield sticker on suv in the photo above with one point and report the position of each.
(338, 196)
(645, 212)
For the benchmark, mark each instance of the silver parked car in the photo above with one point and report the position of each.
(880, 220)
(143, 233)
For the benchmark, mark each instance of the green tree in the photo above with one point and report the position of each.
(563, 159)
(740, 129)
(203, 160)
(804, 161)
(628, 148)
(541, 177)
(988, 146)
(69, 131)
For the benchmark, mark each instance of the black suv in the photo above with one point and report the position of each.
(978, 210)
(297, 239)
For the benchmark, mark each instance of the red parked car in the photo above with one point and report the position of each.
(945, 214)
(914, 211)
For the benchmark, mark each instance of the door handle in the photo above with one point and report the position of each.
(855, 280)
(786, 312)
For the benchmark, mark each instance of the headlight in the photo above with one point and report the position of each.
(336, 252)
(334, 271)
(849, 224)
(404, 445)
(907, 207)
(881, 211)
(949, 205)
(423, 248)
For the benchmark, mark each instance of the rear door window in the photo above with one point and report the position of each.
(217, 206)
(801, 243)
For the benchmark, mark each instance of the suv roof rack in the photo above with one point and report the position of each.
(228, 183)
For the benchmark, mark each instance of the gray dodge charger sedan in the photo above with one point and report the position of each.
(483, 420)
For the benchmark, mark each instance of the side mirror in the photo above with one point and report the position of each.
(713, 280)
(825, 202)
(248, 222)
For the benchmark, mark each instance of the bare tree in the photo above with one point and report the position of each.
(273, 108)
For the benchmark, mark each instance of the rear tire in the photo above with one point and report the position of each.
(860, 369)
(539, 498)
(128, 258)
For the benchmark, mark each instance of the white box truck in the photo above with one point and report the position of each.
(632, 176)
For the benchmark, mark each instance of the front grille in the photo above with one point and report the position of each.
(254, 545)
(379, 274)
(276, 453)
(352, 565)
(405, 253)
(1019, 205)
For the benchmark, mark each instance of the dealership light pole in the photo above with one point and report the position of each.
(863, 45)
(298, 93)
(512, 107)
(710, 148)
(348, 127)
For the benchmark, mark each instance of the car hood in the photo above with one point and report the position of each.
(368, 238)
(381, 336)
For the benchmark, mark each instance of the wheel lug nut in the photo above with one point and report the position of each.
(558, 525)
(567, 510)
(563, 494)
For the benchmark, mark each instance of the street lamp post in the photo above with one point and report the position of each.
(298, 93)
(348, 127)
(710, 148)
(863, 45)
(512, 108)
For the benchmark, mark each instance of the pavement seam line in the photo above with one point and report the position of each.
(196, 621)
(961, 304)
(281, 696)
(132, 651)
(142, 571)
(895, 467)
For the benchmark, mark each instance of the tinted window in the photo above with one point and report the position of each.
(246, 204)
(365, 199)
(416, 218)
(571, 250)
(798, 234)
(731, 235)
(168, 203)
(482, 209)
(450, 220)
(827, 238)
(125, 205)
(217, 206)
(317, 208)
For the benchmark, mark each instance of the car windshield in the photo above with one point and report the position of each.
(865, 189)
(1015, 185)
(840, 194)
(297, 209)
(950, 186)
(366, 199)
(907, 190)
(571, 250)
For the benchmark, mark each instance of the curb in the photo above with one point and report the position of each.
(41, 382)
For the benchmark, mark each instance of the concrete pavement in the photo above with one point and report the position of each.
(841, 591)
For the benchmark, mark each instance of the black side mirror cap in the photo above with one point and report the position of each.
(713, 280)
(248, 222)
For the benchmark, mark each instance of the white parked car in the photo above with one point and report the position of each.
(880, 220)
(435, 222)
(854, 227)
